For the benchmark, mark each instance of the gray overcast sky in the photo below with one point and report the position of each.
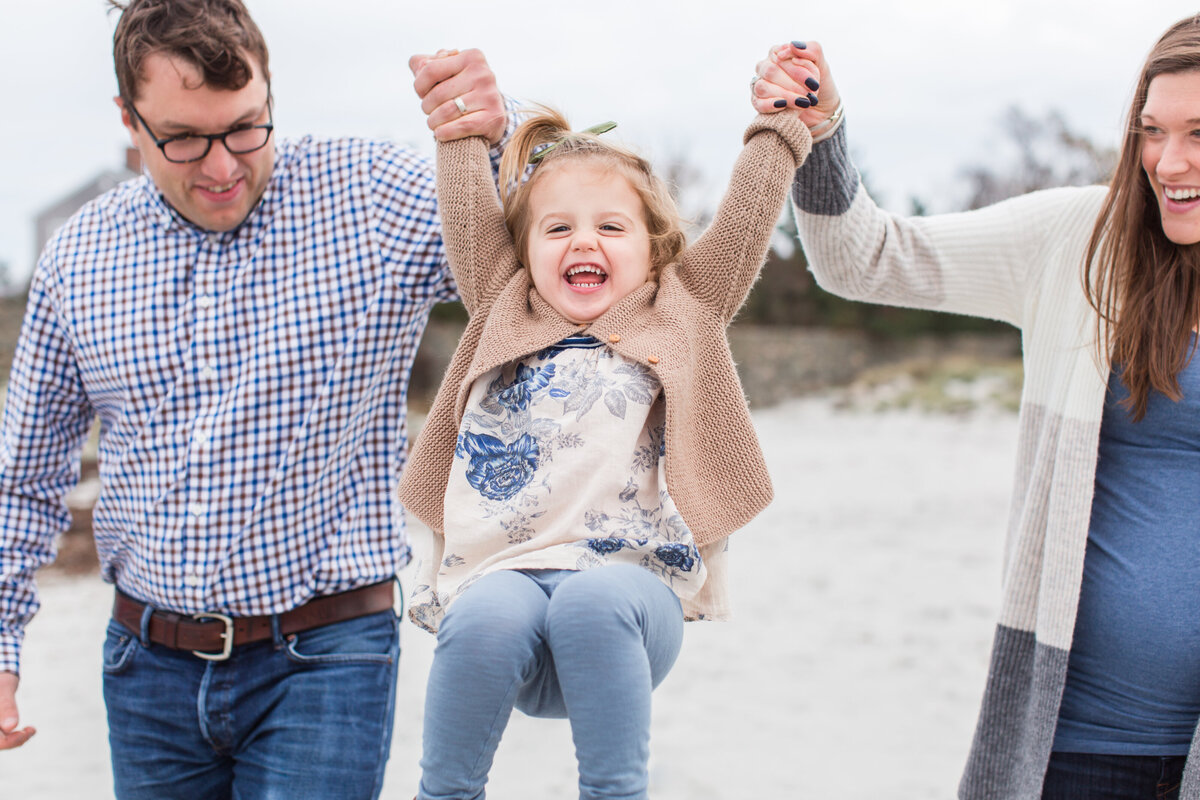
(924, 81)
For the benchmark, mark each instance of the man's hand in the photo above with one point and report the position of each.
(10, 736)
(449, 82)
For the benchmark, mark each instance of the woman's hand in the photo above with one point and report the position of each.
(786, 79)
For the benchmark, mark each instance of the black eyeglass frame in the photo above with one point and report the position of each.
(269, 126)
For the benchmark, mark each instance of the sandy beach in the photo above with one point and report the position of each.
(865, 594)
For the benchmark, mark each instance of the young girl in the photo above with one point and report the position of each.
(591, 418)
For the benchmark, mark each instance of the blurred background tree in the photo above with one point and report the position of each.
(1044, 153)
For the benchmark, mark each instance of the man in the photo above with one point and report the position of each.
(243, 320)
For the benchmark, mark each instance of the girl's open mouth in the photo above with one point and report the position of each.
(585, 276)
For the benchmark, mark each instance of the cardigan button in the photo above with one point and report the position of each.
(616, 337)
(652, 359)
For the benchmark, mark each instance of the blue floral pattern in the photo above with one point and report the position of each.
(559, 464)
(499, 470)
(515, 396)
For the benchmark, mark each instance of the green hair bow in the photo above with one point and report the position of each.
(595, 130)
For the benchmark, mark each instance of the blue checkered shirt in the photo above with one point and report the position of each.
(251, 387)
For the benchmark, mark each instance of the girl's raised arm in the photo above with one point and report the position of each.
(723, 264)
(478, 244)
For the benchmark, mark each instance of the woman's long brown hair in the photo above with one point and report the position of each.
(1144, 287)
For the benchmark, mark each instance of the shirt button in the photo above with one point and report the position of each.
(206, 370)
(192, 579)
(195, 509)
(614, 338)
(652, 359)
(201, 437)
(205, 301)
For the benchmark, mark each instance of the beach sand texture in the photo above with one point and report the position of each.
(865, 600)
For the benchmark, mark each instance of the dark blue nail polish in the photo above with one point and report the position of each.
(803, 102)
(781, 103)
(800, 45)
(812, 83)
(812, 98)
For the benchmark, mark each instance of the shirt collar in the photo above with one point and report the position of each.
(164, 216)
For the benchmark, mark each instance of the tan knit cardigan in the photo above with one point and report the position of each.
(676, 327)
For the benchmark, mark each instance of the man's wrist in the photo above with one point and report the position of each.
(10, 655)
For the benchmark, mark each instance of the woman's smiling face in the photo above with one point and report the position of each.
(1171, 152)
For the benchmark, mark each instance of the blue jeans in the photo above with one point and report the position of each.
(308, 717)
(1087, 776)
(587, 645)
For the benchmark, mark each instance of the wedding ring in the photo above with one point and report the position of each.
(460, 105)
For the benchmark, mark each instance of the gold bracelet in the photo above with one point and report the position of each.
(828, 127)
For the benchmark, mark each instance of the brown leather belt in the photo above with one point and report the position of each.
(213, 636)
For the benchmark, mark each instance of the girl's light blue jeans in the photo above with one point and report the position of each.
(587, 645)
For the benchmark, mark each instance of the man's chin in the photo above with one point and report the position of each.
(218, 221)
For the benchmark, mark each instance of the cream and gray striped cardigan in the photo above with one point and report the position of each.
(1020, 261)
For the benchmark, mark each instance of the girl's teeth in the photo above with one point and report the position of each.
(1182, 194)
(584, 270)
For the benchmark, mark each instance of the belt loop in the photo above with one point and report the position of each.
(400, 593)
(144, 632)
(276, 634)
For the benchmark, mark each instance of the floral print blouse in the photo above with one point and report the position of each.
(559, 464)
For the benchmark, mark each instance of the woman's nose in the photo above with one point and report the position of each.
(1174, 158)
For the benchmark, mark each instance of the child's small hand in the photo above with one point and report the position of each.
(458, 92)
(796, 77)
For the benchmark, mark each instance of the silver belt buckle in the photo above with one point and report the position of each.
(226, 635)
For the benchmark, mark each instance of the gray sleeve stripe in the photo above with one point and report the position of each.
(827, 182)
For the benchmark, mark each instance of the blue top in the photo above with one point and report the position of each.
(1133, 679)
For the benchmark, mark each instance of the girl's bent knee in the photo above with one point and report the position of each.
(504, 608)
(621, 592)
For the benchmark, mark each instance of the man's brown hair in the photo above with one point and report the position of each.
(218, 37)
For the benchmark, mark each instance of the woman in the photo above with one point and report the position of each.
(1094, 686)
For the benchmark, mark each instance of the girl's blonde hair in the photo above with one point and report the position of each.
(1143, 285)
(549, 127)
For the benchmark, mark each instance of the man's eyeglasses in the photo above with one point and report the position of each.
(195, 146)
